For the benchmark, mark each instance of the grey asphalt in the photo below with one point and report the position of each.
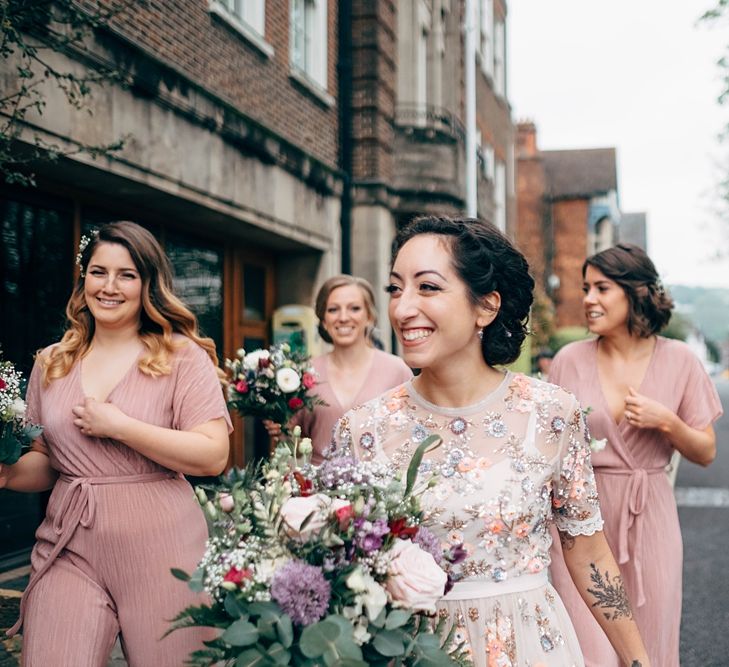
(703, 495)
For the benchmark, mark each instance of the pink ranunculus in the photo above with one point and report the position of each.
(241, 386)
(295, 510)
(415, 581)
(308, 380)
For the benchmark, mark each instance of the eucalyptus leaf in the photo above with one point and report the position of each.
(389, 643)
(278, 654)
(318, 638)
(251, 658)
(285, 630)
(233, 606)
(397, 618)
(195, 584)
(241, 633)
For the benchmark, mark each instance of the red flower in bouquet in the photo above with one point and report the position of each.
(273, 383)
(237, 576)
(399, 529)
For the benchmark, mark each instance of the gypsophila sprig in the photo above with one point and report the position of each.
(82, 245)
(271, 383)
(310, 565)
(16, 432)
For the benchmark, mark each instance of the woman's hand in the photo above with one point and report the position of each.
(644, 412)
(273, 428)
(98, 420)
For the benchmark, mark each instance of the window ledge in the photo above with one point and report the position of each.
(311, 86)
(214, 7)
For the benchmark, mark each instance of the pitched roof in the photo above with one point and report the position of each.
(579, 173)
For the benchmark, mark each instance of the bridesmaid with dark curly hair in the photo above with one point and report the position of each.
(649, 396)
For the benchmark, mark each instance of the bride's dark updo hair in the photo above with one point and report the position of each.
(486, 261)
(630, 267)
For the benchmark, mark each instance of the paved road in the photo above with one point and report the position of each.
(703, 497)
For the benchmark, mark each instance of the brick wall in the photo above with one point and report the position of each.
(374, 47)
(570, 251)
(211, 53)
(530, 207)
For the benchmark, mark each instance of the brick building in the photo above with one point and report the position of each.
(269, 144)
(408, 135)
(567, 209)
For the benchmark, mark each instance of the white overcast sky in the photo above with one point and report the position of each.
(639, 75)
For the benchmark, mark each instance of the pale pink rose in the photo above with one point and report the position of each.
(295, 510)
(415, 581)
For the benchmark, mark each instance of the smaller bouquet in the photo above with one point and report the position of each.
(15, 431)
(328, 565)
(271, 383)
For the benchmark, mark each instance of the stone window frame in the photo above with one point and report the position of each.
(247, 17)
(308, 30)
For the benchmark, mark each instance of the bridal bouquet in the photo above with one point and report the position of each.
(15, 431)
(271, 383)
(327, 565)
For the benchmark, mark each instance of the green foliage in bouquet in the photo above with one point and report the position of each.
(271, 383)
(327, 565)
(15, 432)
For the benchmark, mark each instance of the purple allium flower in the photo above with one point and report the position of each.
(301, 591)
(427, 541)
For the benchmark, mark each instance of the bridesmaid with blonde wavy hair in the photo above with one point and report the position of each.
(130, 400)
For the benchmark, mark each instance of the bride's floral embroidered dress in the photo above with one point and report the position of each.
(508, 465)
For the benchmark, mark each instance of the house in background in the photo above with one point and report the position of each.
(567, 209)
(634, 229)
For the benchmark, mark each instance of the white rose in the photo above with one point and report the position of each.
(288, 380)
(251, 360)
(415, 581)
(17, 407)
(295, 511)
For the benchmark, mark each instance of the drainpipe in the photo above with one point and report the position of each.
(344, 68)
(469, 41)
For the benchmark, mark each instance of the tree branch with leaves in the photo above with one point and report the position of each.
(32, 31)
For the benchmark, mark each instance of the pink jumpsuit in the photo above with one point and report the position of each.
(116, 523)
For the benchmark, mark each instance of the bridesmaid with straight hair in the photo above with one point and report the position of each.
(648, 396)
(130, 399)
(354, 371)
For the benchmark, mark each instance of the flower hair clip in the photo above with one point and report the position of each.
(82, 245)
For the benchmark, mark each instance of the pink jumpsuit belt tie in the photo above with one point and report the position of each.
(633, 504)
(78, 508)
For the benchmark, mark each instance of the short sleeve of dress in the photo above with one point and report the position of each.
(700, 404)
(575, 506)
(198, 394)
(33, 407)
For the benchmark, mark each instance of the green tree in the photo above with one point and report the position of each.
(30, 31)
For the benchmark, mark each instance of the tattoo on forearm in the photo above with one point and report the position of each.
(566, 540)
(610, 596)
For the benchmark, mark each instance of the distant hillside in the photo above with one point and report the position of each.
(706, 307)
